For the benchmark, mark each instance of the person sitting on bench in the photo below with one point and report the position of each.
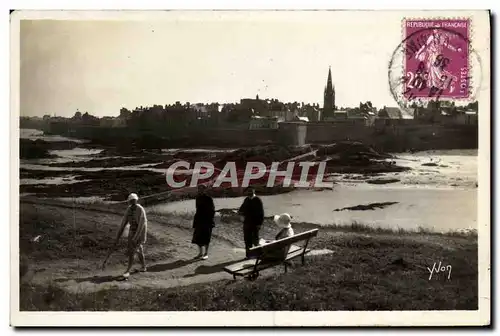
(284, 221)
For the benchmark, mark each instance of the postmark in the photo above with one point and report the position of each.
(434, 61)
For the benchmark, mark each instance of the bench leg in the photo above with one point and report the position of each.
(304, 253)
(287, 264)
(253, 276)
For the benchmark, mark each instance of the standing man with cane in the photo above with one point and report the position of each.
(252, 211)
(135, 216)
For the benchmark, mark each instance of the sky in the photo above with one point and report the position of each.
(103, 64)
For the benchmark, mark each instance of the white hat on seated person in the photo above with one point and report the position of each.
(283, 220)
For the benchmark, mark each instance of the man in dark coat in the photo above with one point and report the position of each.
(203, 222)
(252, 211)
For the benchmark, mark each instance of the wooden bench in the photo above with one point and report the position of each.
(250, 268)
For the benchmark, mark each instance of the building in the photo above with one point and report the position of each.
(351, 117)
(329, 97)
(340, 115)
(389, 113)
(357, 117)
(278, 113)
(301, 119)
(120, 121)
(396, 113)
(106, 122)
(258, 122)
(395, 116)
(408, 113)
(201, 111)
(257, 105)
(468, 117)
(291, 113)
(312, 112)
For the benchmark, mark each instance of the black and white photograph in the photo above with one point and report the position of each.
(313, 168)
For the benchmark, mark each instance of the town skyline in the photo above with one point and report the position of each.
(102, 66)
(320, 103)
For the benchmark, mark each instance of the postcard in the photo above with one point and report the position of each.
(250, 168)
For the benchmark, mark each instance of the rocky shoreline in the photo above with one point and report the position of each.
(137, 169)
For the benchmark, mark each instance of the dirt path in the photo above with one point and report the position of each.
(178, 271)
(169, 252)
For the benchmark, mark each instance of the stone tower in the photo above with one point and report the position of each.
(329, 97)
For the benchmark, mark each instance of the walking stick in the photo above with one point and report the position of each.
(113, 249)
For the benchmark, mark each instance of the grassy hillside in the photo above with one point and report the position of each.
(369, 270)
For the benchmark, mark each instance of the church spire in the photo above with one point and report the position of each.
(329, 96)
(329, 85)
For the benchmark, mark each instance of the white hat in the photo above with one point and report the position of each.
(283, 220)
(132, 196)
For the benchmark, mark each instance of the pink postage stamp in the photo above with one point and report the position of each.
(436, 59)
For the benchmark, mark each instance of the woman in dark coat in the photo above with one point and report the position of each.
(203, 222)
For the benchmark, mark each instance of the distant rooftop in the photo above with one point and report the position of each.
(306, 119)
(397, 113)
(393, 112)
(408, 113)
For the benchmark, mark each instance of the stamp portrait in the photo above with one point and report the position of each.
(436, 62)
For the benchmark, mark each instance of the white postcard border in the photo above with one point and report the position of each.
(335, 318)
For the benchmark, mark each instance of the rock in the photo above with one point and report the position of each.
(371, 206)
(36, 239)
(382, 181)
(89, 242)
(29, 149)
(399, 262)
(350, 149)
(265, 154)
(39, 149)
(227, 212)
